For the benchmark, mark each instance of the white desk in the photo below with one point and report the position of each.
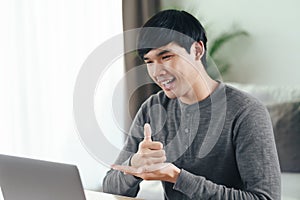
(91, 195)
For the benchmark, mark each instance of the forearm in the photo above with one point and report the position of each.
(197, 187)
(116, 182)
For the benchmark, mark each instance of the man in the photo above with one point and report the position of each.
(201, 138)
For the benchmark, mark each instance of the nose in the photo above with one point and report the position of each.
(157, 69)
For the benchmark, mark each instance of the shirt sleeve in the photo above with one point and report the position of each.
(256, 158)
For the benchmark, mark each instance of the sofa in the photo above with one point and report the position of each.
(283, 104)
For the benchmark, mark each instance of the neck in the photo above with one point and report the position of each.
(201, 89)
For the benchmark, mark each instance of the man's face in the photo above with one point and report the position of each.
(174, 70)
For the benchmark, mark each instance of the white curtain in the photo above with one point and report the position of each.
(43, 44)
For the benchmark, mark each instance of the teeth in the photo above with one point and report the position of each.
(166, 82)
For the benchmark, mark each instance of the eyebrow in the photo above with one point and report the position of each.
(159, 54)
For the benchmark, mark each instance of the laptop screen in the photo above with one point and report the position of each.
(30, 179)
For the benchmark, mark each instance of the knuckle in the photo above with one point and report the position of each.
(158, 145)
(161, 145)
(142, 145)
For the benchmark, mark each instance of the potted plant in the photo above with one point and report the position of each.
(216, 65)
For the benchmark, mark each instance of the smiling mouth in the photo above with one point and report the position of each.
(167, 84)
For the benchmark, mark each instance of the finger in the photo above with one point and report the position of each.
(147, 132)
(157, 160)
(127, 169)
(151, 145)
(157, 153)
(155, 167)
(154, 153)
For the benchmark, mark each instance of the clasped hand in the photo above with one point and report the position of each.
(149, 161)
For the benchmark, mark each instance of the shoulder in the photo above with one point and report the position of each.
(247, 114)
(241, 101)
(246, 111)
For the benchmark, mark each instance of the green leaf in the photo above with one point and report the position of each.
(224, 38)
(224, 68)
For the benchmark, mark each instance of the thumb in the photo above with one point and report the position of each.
(147, 132)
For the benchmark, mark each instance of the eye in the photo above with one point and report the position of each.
(167, 57)
(148, 62)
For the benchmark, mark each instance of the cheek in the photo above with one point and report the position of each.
(187, 73)
(150, 71)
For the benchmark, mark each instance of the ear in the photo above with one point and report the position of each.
(198, 50)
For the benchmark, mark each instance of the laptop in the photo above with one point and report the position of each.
(30, 179)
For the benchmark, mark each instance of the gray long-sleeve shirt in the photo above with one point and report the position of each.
(224, 146)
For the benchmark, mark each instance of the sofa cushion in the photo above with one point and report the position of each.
(270, 94)
(286, 124)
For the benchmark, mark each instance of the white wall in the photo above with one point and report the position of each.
(271, 54)
(43, 45)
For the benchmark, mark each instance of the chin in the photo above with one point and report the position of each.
(170, 94)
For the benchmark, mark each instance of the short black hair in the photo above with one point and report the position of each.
(171, 26)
